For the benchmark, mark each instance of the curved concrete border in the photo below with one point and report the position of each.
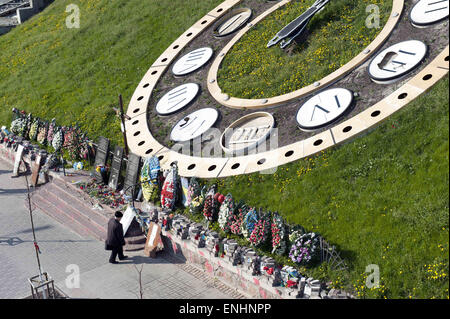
(142, 143)
(238, 103)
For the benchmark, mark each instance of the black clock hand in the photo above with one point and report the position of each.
(297, 24)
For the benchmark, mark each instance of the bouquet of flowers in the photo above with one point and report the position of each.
(34, 130)
(226, 209)
(73, 143)
(235, 219)
(279, 235)
(149, 185)
(58, 139)
(86, 148)
(211, 205)
(27, 127)
(295, 233)
(42, 133)
(18, 126)
(261, 232)
(249, 223)
(169, 192)
(306, 249)
(197, 203)
(51, 132)
(208, 207)
(193, 191)
(68, 136)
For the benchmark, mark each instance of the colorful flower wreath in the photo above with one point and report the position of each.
(226, 209)
(306, 249)
(235, 219)
(249, 222)
(261, 232)
(279, 235)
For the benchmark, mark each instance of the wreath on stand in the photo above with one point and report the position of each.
(237, 218)
(261, 232)
(249, 223)
(279, 235)
(226, 209)
(306, 249)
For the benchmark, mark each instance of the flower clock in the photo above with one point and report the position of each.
(190, 89)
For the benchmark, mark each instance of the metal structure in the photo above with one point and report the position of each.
(295, 29)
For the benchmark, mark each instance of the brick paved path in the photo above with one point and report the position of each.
(61, 247)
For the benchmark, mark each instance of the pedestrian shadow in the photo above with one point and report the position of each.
(4, 172)
(14, 241)
(29, 230)
(11, 241)
(12, 191)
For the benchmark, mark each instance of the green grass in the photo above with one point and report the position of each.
(76, 75)
(384, 194)
(382, 199)
(337, 34)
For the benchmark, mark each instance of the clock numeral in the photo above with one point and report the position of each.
(319, 107)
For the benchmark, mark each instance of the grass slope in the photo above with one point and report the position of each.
(76, 75)
(382, 199)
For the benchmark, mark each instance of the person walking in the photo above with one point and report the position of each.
(115, 239)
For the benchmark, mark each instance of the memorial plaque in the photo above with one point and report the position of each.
(127, 219)
(153, 239)
(18, 159)
(101, 155)
(116, 167)
(35, 170)
(132, 174)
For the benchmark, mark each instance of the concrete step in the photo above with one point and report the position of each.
(74, 214)
(75, 204)
(83, 199)
(48, 208)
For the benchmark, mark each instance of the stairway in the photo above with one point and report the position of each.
(72, 207)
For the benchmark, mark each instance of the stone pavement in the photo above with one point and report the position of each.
(61, 247)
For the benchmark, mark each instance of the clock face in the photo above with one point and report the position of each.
(324, 108)
(180, 100)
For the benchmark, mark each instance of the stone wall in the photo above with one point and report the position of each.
(240, 276)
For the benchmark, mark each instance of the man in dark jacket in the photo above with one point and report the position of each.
(115, 240)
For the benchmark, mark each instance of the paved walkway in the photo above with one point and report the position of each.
(61, 248)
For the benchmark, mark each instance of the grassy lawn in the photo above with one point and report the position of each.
(76, 75)
(337, 34)
(382, 199)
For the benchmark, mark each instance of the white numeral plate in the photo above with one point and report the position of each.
(194, 125)
(396, 61)
(324, 108)
(427, 12)
(177, 98)
(192, 61)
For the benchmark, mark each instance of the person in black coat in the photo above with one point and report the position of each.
(115, 239)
